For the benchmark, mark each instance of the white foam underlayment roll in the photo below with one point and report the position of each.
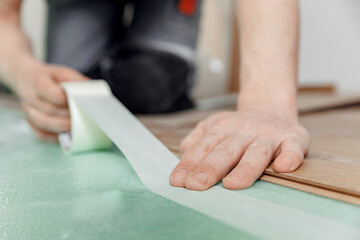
(98, 119)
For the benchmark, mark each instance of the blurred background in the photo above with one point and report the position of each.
(329, 54)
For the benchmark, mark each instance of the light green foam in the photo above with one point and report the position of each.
(45, 195)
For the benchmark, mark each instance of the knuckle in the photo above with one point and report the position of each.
(247, 124)
(210, 169)
(202, 146)
(248, 169)
(40, 85)
(258, 147)
(293, 156)
(305, 134)
(300, 140)
(50, 109)
(187, 162)
(40, 122)
(211, 137)
(183, 146)
(292, 139)
(226, 149)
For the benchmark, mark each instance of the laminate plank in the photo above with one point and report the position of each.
(312, 189)
(316, 102)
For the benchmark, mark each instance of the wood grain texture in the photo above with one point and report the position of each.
(316, 102)
(308, 102)
(312, 189)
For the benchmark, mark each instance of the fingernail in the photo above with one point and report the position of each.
(200, 177)
(180, 174)
(238, 175)
(292, 168)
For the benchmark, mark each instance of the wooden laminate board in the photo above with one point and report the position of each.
(308, 102)
(315, 102)
(312, 189)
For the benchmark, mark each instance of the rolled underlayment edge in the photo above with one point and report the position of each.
(153, 163)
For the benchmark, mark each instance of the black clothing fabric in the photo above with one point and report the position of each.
(143, 49)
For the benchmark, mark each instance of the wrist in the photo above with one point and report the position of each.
(281, 102)
(20, 68)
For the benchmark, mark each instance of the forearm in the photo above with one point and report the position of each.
(269, 54)
(15, 49)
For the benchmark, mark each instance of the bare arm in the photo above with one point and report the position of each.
(236, 147)
(15, 47)
(269, 54)
(35, 83)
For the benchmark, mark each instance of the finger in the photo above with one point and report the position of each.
(49, 87)
(31, 98)
(200, 130)
(194, 156)
(45, 122)
(48, 107)
(252, 164)
(43, 135)
(192, 137)
(49, 90)
(218, 163)
(64, 74)
(291, 156)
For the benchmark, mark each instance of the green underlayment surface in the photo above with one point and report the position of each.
(47, 195)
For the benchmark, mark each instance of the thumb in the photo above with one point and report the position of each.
(65, 74)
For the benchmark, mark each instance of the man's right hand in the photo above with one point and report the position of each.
(43, 99)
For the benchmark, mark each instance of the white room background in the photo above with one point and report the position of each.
(330, 43)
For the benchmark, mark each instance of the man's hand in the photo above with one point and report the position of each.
(43, 100)
(36, 84)
(236, 147)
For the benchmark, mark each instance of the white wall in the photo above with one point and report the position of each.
(33, 21)
(330, 43)
(330, 50)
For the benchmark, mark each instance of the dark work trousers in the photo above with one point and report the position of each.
(144, 49)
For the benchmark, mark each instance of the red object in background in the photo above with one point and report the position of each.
(187, 7)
